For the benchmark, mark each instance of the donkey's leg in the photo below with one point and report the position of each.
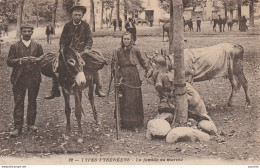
(78, 113)
(67, 112)
(92, 102)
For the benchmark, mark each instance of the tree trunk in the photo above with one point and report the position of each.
(231, 14)
(239, 13)
(110, 17)
(19, 19)
(37, 12)
(125, 12)
(54, 14)
(239, 10)
(177, 47)
(92, 15)
(251, 13)
(225, 12)
(102, 15)
(117, 12)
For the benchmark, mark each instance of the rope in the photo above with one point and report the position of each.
(133, 87)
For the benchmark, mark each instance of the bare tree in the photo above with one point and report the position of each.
(117, 11)
(37, 12)
(102, 14)
(54, 14)
(251, 13)
(92, 15)
(176, 46)
(19, 19)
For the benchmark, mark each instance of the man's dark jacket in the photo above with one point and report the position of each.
(16, 52)
(78, 36)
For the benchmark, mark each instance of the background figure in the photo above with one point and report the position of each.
(190, 25)
(49, 33)
(130, 27)
(220, 23)
(5, 29)
(114, 24)
(26, 75)
(120, 24)
(198, 24)
(131, 104)
(242, 24)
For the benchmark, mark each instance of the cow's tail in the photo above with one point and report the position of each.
(237, 66)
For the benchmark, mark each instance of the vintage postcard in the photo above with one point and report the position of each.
(91, 82)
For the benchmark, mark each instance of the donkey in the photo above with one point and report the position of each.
(73, 78)
(202, 64)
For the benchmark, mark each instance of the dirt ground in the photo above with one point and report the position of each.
(238, 125)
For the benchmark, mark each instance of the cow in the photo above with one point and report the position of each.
(201, 64)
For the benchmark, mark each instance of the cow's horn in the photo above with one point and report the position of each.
(161, 51)
(147, 55)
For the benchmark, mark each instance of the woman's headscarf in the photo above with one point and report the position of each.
(122, 42)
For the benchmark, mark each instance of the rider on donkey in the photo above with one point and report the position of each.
(80, 30)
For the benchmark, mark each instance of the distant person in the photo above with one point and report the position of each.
(198, 24)
(120, 24)
(26, 75)
(190, 25)
(114, 24)
(130, 27)
(49, 33)
(220, 23)
(107, 21)
(1, 40)
(5, 29)
(243, 26)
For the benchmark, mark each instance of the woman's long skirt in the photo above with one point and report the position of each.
(131, 105)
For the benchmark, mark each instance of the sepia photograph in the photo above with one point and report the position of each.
(129, 82)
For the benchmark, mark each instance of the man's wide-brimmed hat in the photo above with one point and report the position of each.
(26, 26)
(78, 6)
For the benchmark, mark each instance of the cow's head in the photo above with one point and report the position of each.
(158, 63)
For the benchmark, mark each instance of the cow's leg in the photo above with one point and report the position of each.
(67, 112)
(92, 102)
(244, 83)
(232, 80)
(78, 114)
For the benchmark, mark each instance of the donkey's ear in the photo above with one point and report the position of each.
(162, 52)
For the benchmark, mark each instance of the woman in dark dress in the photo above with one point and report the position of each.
(131, 104)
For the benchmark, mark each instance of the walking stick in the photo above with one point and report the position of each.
(114, 69)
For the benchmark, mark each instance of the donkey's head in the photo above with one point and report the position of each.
(74, 66)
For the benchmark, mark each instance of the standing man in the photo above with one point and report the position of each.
(190, 25)
(198, 24)
(26, 75)
(130, 27)
(76, 34)
(220, 23)
(120, 24)
(114, 24)
(49, 33)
